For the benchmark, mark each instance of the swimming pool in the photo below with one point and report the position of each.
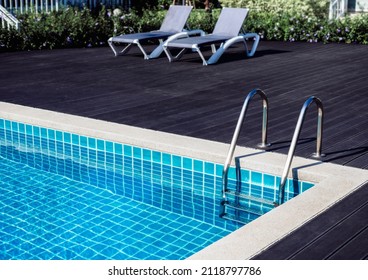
(70, 196)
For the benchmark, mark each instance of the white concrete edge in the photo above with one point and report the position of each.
(333, 182)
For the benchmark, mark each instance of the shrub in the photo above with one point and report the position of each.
(286, 20)
(306, 28)
(318, 8)
(71, 27)
(301, 20)
(11, 40)
(202, 19)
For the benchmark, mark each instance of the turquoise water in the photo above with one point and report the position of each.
(70, 196)
(48, 216)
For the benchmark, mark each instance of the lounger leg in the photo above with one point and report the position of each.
(256, 38)
(169, 55)
(115, 49)
(216, 56)
(213, 48)
(205, 63)
(142, 50)
(158, 50)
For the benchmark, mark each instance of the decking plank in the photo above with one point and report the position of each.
(341, 234)
(355, 249)
(308, 241)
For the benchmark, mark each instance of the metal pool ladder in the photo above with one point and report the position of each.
(225, 203)
(237, 196)
(295, 138)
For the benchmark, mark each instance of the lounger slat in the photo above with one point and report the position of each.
(199, 41)
(130, 38)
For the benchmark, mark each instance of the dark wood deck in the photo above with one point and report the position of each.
(340, 233)
(204, 102)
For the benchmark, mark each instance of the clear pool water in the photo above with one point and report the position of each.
(69, 196)
(48, 216)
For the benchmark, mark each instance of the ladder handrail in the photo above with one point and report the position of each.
(8, 19)
(234, 140)
(299, 124)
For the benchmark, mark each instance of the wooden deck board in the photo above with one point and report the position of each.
(329, 235)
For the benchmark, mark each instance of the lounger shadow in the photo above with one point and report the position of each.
(174, 22)
(225, 33)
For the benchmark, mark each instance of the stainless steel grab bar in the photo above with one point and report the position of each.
(299, 124)
(234, 140)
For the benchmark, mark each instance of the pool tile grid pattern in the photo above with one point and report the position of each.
(175, 183)
(47, 216)
(172, 184)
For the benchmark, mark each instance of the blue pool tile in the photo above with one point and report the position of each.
(101, 156)
(59, 136)
(166, 159)
(138, 153)
(278, 182)
(109, 146)
(198, 165)
(187, 163)
(256, 178)
(8, 125)
(218, 170)
(44, 132)
(83, 141)
(22, 128)
(36, 131)
(176, 161)
(268, 181)
(14, 126)
(29, 129)
(142, 154)
(156, 156)
(100, 145)
(245, 175)
(67, 137)
(92, 142)
(127, 150)
(50, 134)
(118, 148)
(231, 173)
(209, 168)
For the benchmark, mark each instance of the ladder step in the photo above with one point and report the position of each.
(245, 209)
(252, 198)
(230, 217)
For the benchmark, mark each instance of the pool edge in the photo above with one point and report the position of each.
(334, 182)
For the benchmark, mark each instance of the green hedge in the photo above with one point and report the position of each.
(71, 27)
(287, 27)
(74, 27)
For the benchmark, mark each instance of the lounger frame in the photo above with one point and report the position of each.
(174, 22)
(225, 39)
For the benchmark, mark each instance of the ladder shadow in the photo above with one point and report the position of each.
(286, 144)
(346, 153)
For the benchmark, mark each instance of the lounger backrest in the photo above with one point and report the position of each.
(175, 18)
(230, 21)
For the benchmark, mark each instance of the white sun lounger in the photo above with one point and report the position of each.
(174, 22)
(225, 33)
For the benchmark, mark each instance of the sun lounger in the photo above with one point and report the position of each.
(225, 33)
(174, 22)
